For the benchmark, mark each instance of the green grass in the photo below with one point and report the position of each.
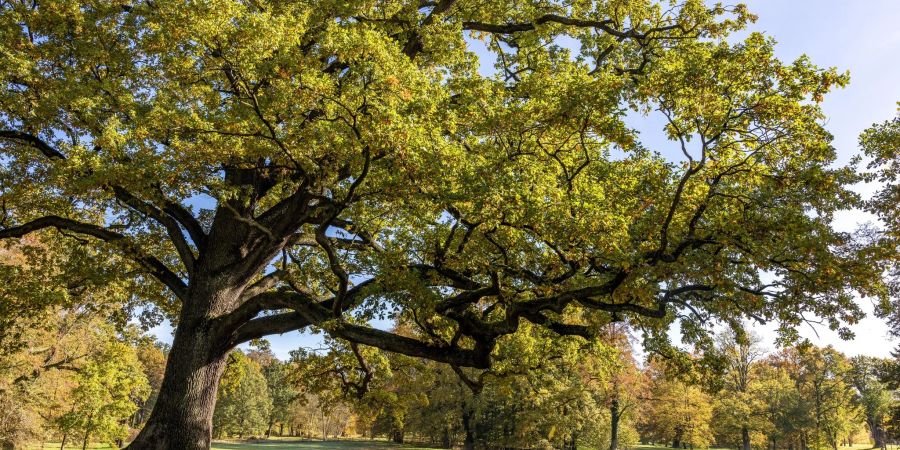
(288, 444)
(865, 446)
(311, 445)
(55, 445)
(275, 444)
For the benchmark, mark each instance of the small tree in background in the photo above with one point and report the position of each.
(110, 386)
(244, 404)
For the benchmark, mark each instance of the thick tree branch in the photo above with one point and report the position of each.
(606, 26)
(267, 325)
(33, 141)
(171, 225)
(155, 266)
(188, 221)
(169, 217)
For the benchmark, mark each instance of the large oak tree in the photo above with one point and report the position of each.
(274, 165)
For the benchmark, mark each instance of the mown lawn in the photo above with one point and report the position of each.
(350, 445)
(310, 445)
(272, 445)
(661, 447)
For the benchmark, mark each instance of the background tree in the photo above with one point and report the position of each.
(110, 386)
(625, 388)
(51, 327)
(356, 148)
(827, 397)
(737, 409)
(281, 392)
(677, 413)
(781, 397)
(876, 400)
(152, 356)
(244, 405)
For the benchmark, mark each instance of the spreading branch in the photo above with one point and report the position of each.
(156, 267)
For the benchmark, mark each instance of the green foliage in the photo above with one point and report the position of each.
(281, 386)
(74, 362)
(357, 147)
(738, 407)
(782, 407)
(868, 375)
(826, 410)
(541, 387)
(244, 404)
(676, 412)
(109, 386)
(152, 356)
(881, 144)
(529, 175)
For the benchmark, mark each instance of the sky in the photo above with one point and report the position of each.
(859, 36)
(862, 37)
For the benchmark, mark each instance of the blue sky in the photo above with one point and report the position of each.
(860, 36)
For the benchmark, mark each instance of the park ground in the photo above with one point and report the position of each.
(347, 445)
(274, 444)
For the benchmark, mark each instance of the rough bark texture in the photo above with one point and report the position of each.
(469, 441)
(745, 438)
(445, 438)
(877, 432)
(614, 415)
(182, 416)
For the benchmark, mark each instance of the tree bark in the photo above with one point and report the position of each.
(87, 432)
(445, 439)
(469, 442)
(614, 424)
(745, 438)
(182, 416)
(877, 432)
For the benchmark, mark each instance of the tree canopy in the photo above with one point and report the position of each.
(280, 164)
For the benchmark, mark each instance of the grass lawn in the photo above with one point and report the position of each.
(287, 444)
(310, 445)
(661, 447)
(273, 445)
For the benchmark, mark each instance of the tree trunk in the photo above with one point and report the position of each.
(469, 442)
(745, 438)
(445, 439)
(182, 416)
(676, 442)
(614, 425)
(87, 431)
(877, 433)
